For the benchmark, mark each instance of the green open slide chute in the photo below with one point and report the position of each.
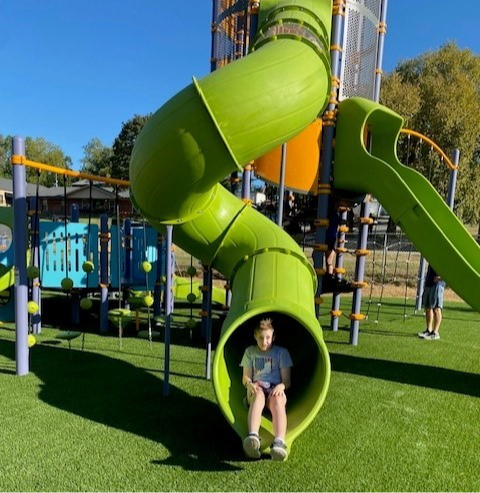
(214, 126)
(409, 198)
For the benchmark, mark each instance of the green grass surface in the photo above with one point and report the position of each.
(402, 414)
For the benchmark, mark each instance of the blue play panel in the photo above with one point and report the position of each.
(62, 254)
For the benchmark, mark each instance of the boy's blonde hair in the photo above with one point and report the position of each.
(264, 324)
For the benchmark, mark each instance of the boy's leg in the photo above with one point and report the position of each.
(251, 443)
(429, 318)
(257, 403)
(277, 405)
(437, 315)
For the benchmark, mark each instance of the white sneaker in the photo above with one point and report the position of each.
(433, 336)
(424, 334)
(278, 450)
(251, 446)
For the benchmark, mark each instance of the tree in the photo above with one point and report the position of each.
(97, 158)
(42, 151)
(438, 95)
(123, 145)
(5, 153)
(39, 150)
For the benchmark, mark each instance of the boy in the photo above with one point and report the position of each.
(433, 303)
(266, 376)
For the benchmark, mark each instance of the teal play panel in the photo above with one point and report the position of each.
(143, 247)
(62, 254)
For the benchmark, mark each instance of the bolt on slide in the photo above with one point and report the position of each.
(217, 125)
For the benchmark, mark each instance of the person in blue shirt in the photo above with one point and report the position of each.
(432, 301)
(266, 376)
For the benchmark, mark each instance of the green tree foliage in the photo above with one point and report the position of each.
(5, 153)
(97, 158)
(41, 151)
(123, 146)
(438, 94)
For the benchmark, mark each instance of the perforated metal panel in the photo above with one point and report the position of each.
(229, 31)
(359, 54)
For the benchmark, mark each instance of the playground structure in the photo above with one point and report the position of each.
(282, 86)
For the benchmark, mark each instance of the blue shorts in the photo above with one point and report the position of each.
(433, 296)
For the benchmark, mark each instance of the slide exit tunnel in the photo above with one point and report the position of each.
(217, 125)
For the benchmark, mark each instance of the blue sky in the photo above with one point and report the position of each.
(77, 69)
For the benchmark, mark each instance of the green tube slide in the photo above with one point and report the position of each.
(217, 125)
(410, 199)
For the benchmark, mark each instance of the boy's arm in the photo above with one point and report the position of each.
(284, 385)
(285, 373)
(247, 377)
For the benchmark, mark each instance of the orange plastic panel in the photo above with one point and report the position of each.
(303, 161)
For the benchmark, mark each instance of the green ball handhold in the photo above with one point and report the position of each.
(146, 266)
(191, 271)
(163, 279)
(191, 324)
(67, 284)
(88, 266)
(85, 303)
(32, 272)
(148, 300)
(191, 297)
(32, 307)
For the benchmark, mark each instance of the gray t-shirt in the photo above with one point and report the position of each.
(266, 365)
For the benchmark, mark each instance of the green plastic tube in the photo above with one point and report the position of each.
(211, 128)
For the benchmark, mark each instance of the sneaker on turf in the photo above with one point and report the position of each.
(424, 334)
(433, 336)
(251, 446)
(278, 450)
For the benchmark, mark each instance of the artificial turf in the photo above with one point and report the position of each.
(401, 414)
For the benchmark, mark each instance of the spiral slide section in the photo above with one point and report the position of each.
(410, 199)
(217, 125)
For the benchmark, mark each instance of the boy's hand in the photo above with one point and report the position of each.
(252, 387)
(278, 390)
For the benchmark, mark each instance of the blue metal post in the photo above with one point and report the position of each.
(20, 242)
(356, 316)
(281, 185)
(328, 132)
(75, 294)
(365, 208)
(336, 298)
(104, 241)
(127, 225)
(246, 183)
(36, 319)
(168, 309)
(207, 317)
(157, 294)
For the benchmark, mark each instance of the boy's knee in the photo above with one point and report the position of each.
(278, 401)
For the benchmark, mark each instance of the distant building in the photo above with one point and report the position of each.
(52, 200)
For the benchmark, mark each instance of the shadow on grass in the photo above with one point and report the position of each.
(122, 396)
(410, 373)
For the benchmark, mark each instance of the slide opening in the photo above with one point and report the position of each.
(310, 373)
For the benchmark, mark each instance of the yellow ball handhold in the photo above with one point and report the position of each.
(32, 307)
(67, 284)
(85, 303)
(148, 300)
(146, 266)
(31, 340)
(88, 266)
